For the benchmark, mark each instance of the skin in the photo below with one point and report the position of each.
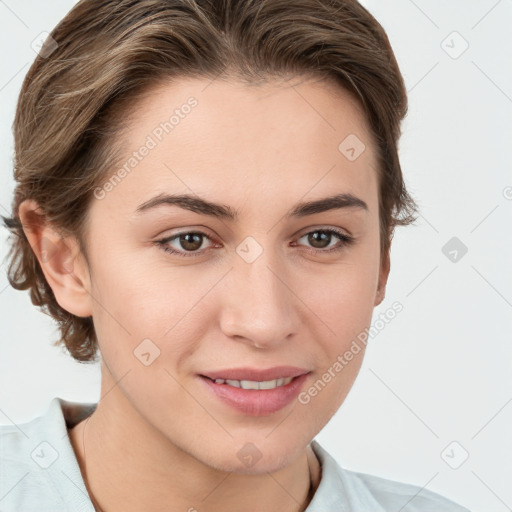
(158, 440)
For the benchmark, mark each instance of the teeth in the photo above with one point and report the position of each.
(254, 384)
(249, 384)
(268, 384)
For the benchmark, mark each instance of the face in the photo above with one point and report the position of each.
(180, 293)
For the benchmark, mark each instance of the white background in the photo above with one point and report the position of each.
(441, 370)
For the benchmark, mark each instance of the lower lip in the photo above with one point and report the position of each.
(257, 402)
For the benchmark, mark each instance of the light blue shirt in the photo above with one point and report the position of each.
(39, 472)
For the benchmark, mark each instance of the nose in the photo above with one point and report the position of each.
(259, 306)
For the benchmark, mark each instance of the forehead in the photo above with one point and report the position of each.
(240, 142)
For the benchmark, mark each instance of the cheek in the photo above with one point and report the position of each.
(132, 287)
(343, 297)
(344, 304)
(347, 313)
(136, 299)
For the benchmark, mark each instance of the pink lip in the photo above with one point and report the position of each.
(257, 402)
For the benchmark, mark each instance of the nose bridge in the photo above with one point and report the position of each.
(258, 305)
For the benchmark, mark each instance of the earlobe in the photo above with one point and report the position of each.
(383, 279)
(379, 297)
(63, 266)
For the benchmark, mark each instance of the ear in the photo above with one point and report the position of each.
(385, 267)
(62, 263)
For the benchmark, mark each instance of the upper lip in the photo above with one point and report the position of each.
(256, 374)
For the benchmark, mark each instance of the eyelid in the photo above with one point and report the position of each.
(321, 227)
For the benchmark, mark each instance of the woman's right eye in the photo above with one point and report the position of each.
(190, 242)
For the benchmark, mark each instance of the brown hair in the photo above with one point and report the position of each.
(71, 102)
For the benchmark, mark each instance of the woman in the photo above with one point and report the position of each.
(220, 313)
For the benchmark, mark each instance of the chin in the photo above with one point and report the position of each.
(266, 464)
(256, 457)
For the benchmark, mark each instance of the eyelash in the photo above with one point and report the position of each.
(345, 241)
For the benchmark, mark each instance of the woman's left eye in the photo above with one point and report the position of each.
(191, 241)
(319, 237)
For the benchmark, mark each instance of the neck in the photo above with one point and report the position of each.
(122, 452)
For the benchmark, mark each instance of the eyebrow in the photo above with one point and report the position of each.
(203, 207)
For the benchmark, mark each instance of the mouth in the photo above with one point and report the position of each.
(256, 392)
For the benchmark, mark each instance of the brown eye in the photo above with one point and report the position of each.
(187, 243)
(191, 241)
(320, 240)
